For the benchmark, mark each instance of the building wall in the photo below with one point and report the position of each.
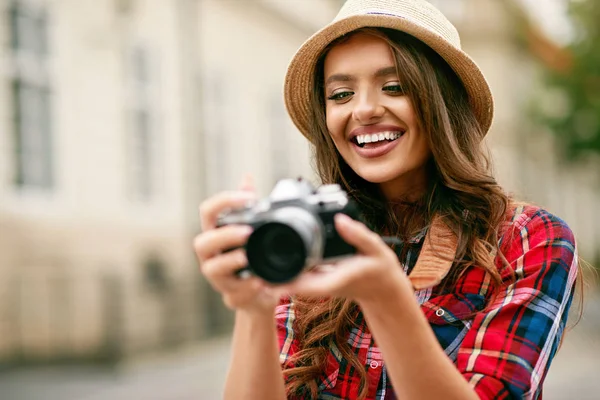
(93, 223)
(525, 155)
(154, 105)
(246, 125)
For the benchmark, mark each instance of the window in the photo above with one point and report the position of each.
(31, 97)
(155, 273)
(143, 141)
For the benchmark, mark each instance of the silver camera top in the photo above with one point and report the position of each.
(289, 190)
(296, 189)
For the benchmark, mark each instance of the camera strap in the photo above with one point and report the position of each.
(436, 256)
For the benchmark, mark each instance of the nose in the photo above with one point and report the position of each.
(368, 108)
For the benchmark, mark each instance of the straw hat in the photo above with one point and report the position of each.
(415, 17)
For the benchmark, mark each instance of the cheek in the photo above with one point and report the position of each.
(329, 120)
(334, 121)
(405, 108)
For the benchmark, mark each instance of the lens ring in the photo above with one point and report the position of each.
(276, 252)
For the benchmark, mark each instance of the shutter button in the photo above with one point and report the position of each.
(439, 312)
(374, 364)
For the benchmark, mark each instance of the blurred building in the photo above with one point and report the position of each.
(118, 116)
(507, 40)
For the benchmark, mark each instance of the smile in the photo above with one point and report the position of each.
(362, 140)
(374, 145)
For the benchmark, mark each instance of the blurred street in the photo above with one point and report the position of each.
(198, 373)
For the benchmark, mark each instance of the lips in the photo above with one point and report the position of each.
(376, 149)
(375, 140)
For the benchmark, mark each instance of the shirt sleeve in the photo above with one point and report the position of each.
(510, 345)
(284, 317)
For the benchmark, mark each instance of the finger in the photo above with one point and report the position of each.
(248, 183)
(212, 207)
(325, 268)
(236, 300)
(358, 235)
(228, 285)
(316, 284)
(225, 265)
(213, 242)
(326, 280)
(242, 293)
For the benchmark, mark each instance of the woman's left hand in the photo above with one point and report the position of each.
(373, 271)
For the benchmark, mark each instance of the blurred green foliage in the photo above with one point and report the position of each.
(571, 107)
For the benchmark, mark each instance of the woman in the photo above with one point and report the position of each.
(472, 304)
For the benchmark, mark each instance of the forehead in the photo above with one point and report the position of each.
(361, 51)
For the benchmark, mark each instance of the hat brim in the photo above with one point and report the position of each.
(300, 73)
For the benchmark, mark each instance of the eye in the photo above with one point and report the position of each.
(393, 89)
(340, 96)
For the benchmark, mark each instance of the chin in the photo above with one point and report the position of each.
(376, 175)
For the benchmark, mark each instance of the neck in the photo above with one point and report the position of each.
(406, 200)
(408, 188)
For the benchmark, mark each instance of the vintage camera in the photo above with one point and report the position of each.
(293, 229)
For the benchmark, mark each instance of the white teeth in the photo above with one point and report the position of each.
(377, 137)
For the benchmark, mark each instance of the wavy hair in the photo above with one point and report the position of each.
(460, 179)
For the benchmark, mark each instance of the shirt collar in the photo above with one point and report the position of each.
(419, 236)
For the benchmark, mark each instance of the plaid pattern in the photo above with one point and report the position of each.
(501, 342)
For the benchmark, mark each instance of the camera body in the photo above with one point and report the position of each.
(293, 229)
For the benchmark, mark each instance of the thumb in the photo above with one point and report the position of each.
(358, 235)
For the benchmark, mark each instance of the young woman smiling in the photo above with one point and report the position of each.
(474, 301)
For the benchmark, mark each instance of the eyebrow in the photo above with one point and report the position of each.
(386, 71)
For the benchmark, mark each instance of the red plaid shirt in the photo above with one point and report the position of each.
(503, 351)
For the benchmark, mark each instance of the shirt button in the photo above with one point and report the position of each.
(439, 312)
(374, 364)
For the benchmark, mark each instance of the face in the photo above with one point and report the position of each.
(370, 120)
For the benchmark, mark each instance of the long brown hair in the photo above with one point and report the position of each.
(459, 180)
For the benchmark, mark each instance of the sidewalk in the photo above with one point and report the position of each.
(198, 373)
(575, 371)
(192, 373)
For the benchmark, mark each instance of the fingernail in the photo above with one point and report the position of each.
(244, 274)
(245, 231)
(342, 218)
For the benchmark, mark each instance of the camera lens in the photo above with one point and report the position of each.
(276, 252)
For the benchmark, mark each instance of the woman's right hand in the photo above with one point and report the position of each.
(249, 294)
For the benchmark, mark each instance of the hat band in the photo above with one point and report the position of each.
(375, 11)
